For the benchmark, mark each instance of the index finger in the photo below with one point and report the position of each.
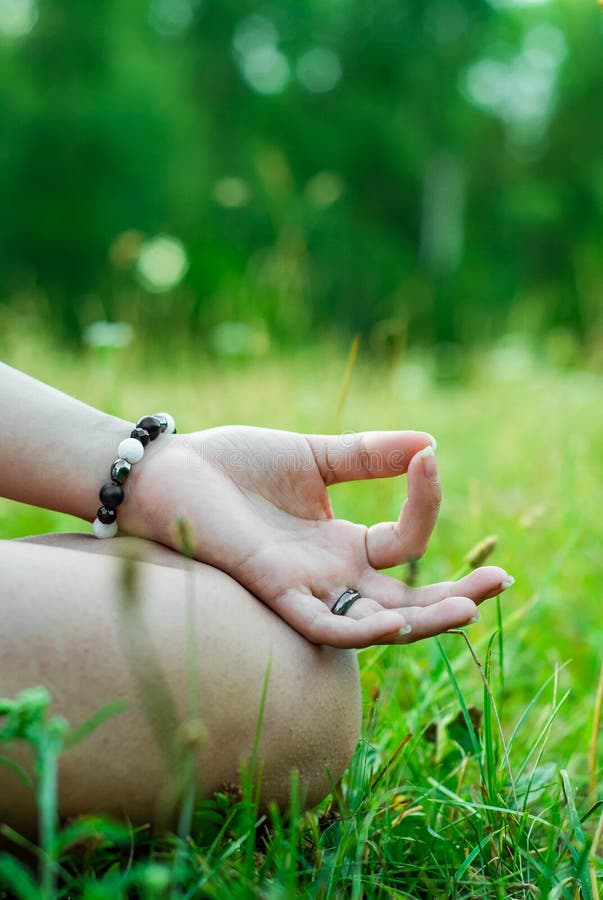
(392, 543)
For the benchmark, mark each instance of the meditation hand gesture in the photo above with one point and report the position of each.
(257, 505)
(258, 509)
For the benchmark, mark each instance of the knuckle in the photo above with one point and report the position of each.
(416, 546)
(316, 631)
(434, 506)
(330, 464)
(363, 457)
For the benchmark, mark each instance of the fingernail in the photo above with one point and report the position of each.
(475, 619)
(406, 629)
(430, 466)
(507, 582)
(434, 443)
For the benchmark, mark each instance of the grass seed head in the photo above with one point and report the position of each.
(480, 553)
(194, 732)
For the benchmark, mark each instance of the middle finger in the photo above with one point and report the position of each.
(479, 585)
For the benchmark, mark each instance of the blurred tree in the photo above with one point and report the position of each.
(91, 149)
(434, 165)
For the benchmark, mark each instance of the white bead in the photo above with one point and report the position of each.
(104, 531)
(131, 449)
(171, 423)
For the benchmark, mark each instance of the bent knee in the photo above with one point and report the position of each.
(312, 713)
(317, 721)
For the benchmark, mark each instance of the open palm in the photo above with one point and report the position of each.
(257, 503)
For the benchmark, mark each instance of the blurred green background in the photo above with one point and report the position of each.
(246, 175)
(204, 201)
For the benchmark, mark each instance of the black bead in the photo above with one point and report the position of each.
(163, 422)
(120, 470)
(142, 435)
(106, 515)
(150, 424)
(111, 494)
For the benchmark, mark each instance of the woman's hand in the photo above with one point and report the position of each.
(258, 508)
(257, 504)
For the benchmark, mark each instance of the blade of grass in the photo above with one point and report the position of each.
(476, 807)
(50, 748)
(501, 656)
(475, 746)
(471, 856)
(261, 711)
(193, 731)
(18, 770)
(489, 741)
(597, 836)
(580, 856)
(494, 710)
(533, 702)
(16, 877)
(592, 748)
(255, 777)
(386, 768)
(461, 660)
(347, 381)
(95, 721)
(543, 735)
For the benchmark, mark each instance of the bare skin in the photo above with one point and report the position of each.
(270, 561)
(84, 647)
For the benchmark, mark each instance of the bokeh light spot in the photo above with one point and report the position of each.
(231, 192)
(17, 17)
(318, 70)
(266, 71)
(238, 339)
(162, 263)
(510, 4)
(263, 66)
(325, 188)
(171, 18)
(521, 91)
(108, 334)
(254, 33)
(487, 83)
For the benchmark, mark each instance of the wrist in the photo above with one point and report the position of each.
(150, 509)
(134, 449)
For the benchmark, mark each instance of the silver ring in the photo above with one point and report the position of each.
(343, 603)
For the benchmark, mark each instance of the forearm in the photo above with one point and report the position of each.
(55, 451)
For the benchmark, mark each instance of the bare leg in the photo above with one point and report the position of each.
(66, 624)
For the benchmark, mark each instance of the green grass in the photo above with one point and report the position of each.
(477, 775)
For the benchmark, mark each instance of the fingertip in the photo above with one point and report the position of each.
(463, 610)
(493, 573)
(429, 464)
(390, 624)
(380, 627)
(486, 582)
(428, 438)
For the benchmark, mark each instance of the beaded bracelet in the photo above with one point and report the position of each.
(129, 452)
